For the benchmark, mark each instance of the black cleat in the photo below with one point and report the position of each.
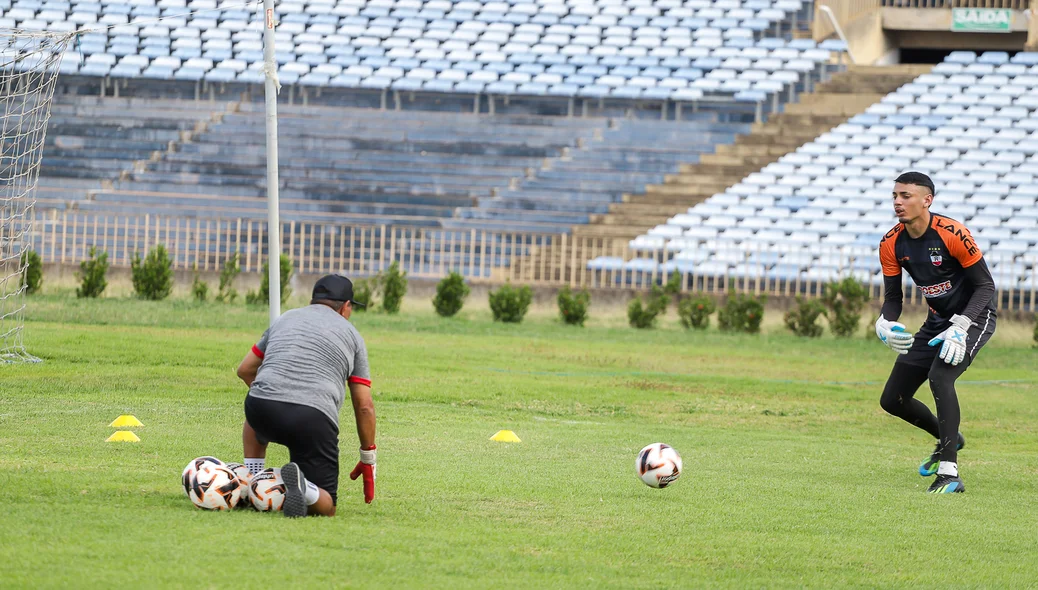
(929, 467)
(295, 491)
(947, 484)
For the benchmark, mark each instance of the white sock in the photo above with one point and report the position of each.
(312, 495)
(948, 468)
(255, 465)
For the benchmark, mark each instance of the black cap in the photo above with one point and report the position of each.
(334, 288)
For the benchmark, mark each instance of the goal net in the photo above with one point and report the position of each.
(28, 70)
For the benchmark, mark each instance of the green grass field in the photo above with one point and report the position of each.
(793, 474)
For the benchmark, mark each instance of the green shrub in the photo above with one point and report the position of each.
(643, 315)
(1035, 329)
(673, 286)
(92, 274)
(741, 313)
(263, 296)
(803, 320)
(199, 288)
(230, 271)
(365, 291)
(33, 265)
(451, 293)
(844, 301)
(152, 275)
(695, 312)
(573, 306)
(394, 287)
(510, 304)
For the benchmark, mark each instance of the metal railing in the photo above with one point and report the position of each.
(482, 256)
(844, 11)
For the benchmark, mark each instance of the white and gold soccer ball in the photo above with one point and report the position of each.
(267, 490)
(658, 465)
(214, 487)
(245, 479)
(192, 467)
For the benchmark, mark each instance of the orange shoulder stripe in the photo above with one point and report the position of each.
(887, 257)
(957, 239)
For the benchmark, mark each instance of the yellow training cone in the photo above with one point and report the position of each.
(505, 436)
(125, 421)
(123, 436)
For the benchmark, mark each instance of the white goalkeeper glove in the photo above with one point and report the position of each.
(894, 335)
(954, 348)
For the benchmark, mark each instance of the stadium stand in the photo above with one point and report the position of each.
(971, 124)
(656, 49)
(357, 165)
(812, 213)
(499, 171)
(829, 104)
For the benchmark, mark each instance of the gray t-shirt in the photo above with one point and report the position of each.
(309, 355)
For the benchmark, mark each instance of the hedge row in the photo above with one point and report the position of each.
(841, 302)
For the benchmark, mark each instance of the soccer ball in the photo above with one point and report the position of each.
(215, 487)
(658, 465)
(189, 472)
(244, 478)
(267, 490)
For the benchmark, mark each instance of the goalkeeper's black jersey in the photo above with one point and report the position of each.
(937, 262)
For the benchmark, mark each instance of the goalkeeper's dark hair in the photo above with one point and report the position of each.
(918, 179)
(336, 305)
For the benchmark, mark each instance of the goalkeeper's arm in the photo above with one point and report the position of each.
(893, 298)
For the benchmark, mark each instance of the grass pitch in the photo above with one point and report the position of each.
(793, 475)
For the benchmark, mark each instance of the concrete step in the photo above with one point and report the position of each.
(647, 209)
(745, 156)
(719, 165)
(665, 193)
(692, 181)
(643, 221)
(847, 105)
(791, 141)
(797, 124)
(608, 231)
(740, 153)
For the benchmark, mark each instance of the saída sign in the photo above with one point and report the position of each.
(981, 20)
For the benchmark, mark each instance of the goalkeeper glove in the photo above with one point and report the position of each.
(954, 348)
(366, 467)
(894, 335)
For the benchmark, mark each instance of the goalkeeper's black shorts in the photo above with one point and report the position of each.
(312, 439)
(922, 354)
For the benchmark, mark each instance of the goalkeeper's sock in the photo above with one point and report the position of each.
(312, 494)
(255, 465)
(948, 468)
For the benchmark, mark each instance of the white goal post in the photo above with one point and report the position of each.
(29, 63)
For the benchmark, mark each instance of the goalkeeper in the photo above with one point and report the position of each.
(297, 375)
(950, 272)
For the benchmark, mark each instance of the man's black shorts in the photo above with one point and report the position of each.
(312, 439)
(922, 354)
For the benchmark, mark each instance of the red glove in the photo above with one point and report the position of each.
(366, 467)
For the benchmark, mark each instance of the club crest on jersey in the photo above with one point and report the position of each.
(935, 256)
